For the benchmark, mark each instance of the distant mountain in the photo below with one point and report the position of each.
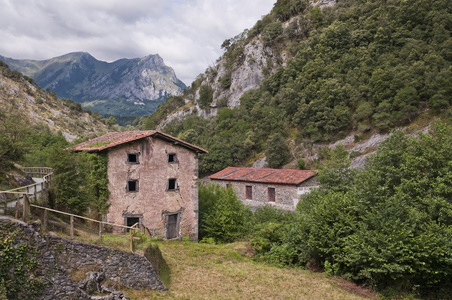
(124, 87)
(21, 98)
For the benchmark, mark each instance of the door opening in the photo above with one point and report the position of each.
(131, 222)
(172, 228)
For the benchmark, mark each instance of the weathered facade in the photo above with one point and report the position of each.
(153, 180)
(258, 187)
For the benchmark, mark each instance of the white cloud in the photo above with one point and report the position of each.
(186, 34)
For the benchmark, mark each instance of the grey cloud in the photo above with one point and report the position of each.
(187, 34)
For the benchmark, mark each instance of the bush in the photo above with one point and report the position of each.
(205, 96)
(221, 215)
(388, 226)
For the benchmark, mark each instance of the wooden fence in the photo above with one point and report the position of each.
(136, 228)
(14, 197)
(19, 200)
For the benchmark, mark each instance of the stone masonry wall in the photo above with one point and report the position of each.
(59, 258)
(153, 202)
(286, 196)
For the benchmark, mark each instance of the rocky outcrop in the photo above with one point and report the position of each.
(26, 101)
(103, 268)
(127, 83)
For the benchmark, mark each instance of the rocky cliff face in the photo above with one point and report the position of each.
(126, 85)
(254, 60)
(19, 96)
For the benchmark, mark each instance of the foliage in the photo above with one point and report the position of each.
(171, 104)
(13, 129)
(18, 264)
(205, 96)
(80, 179)
(277, 152)
(221, 215)
(358, 65)
(388, 226)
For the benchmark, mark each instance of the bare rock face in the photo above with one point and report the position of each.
(139, 80)
(121, 87)
(246, 77)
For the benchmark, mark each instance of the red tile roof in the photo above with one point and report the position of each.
(276, 176)
(113, 139)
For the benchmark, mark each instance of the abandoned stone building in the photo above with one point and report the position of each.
(258, 187)
(153, 180)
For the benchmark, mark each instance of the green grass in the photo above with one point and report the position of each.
(204, 271)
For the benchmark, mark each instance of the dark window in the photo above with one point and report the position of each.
(132, 221)
(171, 228)
(172, 158)
(249, 192)
(132, 158)
(228, 185)
(271, 195)
(132, 186)
(172, 185)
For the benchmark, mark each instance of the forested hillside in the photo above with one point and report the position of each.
(353, 67)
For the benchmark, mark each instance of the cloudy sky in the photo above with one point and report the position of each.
(186, 33)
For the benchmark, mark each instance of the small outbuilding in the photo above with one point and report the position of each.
(153, 180)
(256, 187)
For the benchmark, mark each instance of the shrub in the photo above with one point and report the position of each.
(221, 215)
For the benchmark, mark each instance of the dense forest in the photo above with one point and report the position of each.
(357, 66)
(387, 226)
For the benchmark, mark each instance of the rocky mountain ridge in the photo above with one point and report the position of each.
(123, 87)
(20, 96)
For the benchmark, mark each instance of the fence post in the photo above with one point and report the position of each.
(6, 204)
(72, 227)
(44, 221)
(100, 231)
(16, 215)
(26, 208)
(131, 239)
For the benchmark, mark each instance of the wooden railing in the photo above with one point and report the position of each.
(19, 200)
(14, 197)
(136, 228)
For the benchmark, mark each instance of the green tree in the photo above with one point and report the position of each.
(221, 215)
(277, 151)
(205, 96)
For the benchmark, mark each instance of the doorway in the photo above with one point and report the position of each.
(172, 228)
(130, 221)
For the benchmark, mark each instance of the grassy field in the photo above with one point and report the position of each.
(201, 271)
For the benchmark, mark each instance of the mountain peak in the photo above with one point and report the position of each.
(122, 87)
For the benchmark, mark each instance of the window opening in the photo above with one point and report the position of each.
(271, 195)
(172, 184)
(172, 158)
(171, 229)
(249, 192)
(132, 158)
(132, 186)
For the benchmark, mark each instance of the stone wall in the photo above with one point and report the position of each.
(286, 196)
(152, 203)
(98, 269)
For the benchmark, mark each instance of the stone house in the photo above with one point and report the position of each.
(258, 187)
(153, 180)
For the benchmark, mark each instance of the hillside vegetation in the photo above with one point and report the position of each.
(22, 101)
(357, 66)
(387, 226)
